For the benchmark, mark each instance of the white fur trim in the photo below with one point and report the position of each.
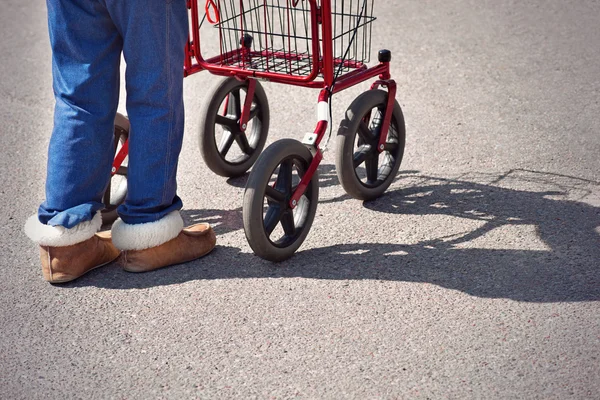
(143, 236)
(59, 236)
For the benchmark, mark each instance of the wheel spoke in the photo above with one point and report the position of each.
(224, 121)
(372, 166)
(274, 194)
(272, 218)
(284, 178)
(235, 105)
(365, 133)
(122, 170)
(390, 147)
(242, 141)
(361, 155)
(226, 142)
(287, 222)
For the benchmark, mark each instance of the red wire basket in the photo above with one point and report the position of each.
(284, 37)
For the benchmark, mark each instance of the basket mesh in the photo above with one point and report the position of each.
(275, 36)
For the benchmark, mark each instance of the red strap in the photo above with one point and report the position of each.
(215, 18)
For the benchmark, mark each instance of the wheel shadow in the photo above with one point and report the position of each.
(238, 181)
(328, 178)
(565, 270)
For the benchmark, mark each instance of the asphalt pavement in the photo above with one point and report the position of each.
(477, 274)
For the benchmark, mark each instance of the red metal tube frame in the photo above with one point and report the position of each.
(389, 109)
(120, 157)
(247, 104)
(324, 65)
(344, 82)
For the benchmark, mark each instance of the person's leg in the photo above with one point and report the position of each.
(86, 51)
(155, 33)
(86, 48)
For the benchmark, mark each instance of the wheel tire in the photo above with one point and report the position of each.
(254, 137)
(362, 107)
(293, 154)
(113, 199)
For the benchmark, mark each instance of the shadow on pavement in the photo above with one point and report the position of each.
(568, 270)
(222, 221)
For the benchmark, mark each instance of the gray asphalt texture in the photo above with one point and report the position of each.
(475, 276)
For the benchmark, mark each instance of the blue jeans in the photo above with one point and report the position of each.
(87, 39)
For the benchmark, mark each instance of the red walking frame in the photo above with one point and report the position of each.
(321, 44)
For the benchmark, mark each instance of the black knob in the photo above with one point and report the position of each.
(385, 56)
(246, 41)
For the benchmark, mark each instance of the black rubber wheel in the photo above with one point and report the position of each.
(364, 172)
(273, 229)
(226, 149)
(116, 191)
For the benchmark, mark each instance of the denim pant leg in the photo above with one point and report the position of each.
(86, 49)
(154, 33)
